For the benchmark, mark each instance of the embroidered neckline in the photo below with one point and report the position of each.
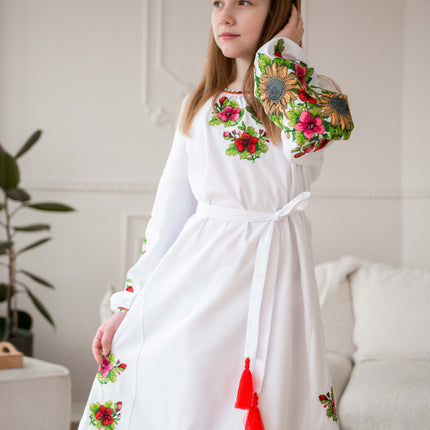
(229, 91)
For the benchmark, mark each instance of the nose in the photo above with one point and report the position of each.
(226, 20)
(226, 16)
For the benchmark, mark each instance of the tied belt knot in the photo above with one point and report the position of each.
(259, 319)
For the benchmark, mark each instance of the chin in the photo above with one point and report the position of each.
(229, 53)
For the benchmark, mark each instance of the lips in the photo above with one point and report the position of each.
(227, 36)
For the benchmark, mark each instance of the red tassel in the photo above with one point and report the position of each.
(246, 389)
(253, 420)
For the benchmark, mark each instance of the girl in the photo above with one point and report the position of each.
(219, 326)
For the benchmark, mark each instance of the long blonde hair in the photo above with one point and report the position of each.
(219, 71)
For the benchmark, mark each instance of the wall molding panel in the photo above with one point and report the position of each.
(158, 74)
(151, 188)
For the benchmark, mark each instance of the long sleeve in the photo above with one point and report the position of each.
(310, 112)
(174, 203)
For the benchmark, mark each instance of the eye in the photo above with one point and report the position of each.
(244, 3)
(217, 3)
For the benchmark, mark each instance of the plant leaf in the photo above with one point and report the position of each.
(3, 291)
(9, 171)
(49, 206)
(30, 142)
(37, 279)
(5, 328)
(32, 227)
(24, 320)
(34, 245)
(39, 305)
(5, 245)
(18, 194)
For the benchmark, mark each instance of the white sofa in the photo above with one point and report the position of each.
(377, 329)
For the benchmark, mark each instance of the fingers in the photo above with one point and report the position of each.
(107, 338)
(296, 18)
(294, 14)
(97, 344)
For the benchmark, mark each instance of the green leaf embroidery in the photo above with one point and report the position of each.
(279, 47)
(263, 61)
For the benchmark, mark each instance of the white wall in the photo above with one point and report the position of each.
(75, 69)
(415, 148)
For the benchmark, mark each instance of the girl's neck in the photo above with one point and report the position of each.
(242, 66)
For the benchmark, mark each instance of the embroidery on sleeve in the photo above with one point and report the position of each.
(128, 287)
(328, 401)
(105, 416)
(309, 115)
(143, 246)
(109, 369)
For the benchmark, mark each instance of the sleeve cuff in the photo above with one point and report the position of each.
(283, 47)
(121, 301)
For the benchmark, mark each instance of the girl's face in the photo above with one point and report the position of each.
(237, 25)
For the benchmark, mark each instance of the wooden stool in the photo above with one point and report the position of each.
(9, 356)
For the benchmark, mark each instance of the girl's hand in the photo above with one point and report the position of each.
(293, 28)
(103, 338)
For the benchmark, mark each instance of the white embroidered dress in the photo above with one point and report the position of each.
(226, 273)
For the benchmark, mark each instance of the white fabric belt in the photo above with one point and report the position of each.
(258, 287)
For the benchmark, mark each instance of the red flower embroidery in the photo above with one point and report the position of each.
(278, 54)
(300, 73)
(229, 113)
(104, 415)
(222, 100)
(328, 401)
(303, 95)
(246, 141)
(311, 148)
(129, 289)
(308, 125)
(109, 369)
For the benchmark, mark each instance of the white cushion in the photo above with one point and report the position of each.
(336, 306)
(391, 394)
(391, 310)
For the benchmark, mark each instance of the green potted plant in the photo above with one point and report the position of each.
(15, 326)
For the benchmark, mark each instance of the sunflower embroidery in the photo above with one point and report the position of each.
(277, 88)
(109, 369)
(226, 112)
(105, 416)
(336, 106)
(328, 401)
(309, 115)
(247, 143)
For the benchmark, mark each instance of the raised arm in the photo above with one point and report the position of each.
(311, 113)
